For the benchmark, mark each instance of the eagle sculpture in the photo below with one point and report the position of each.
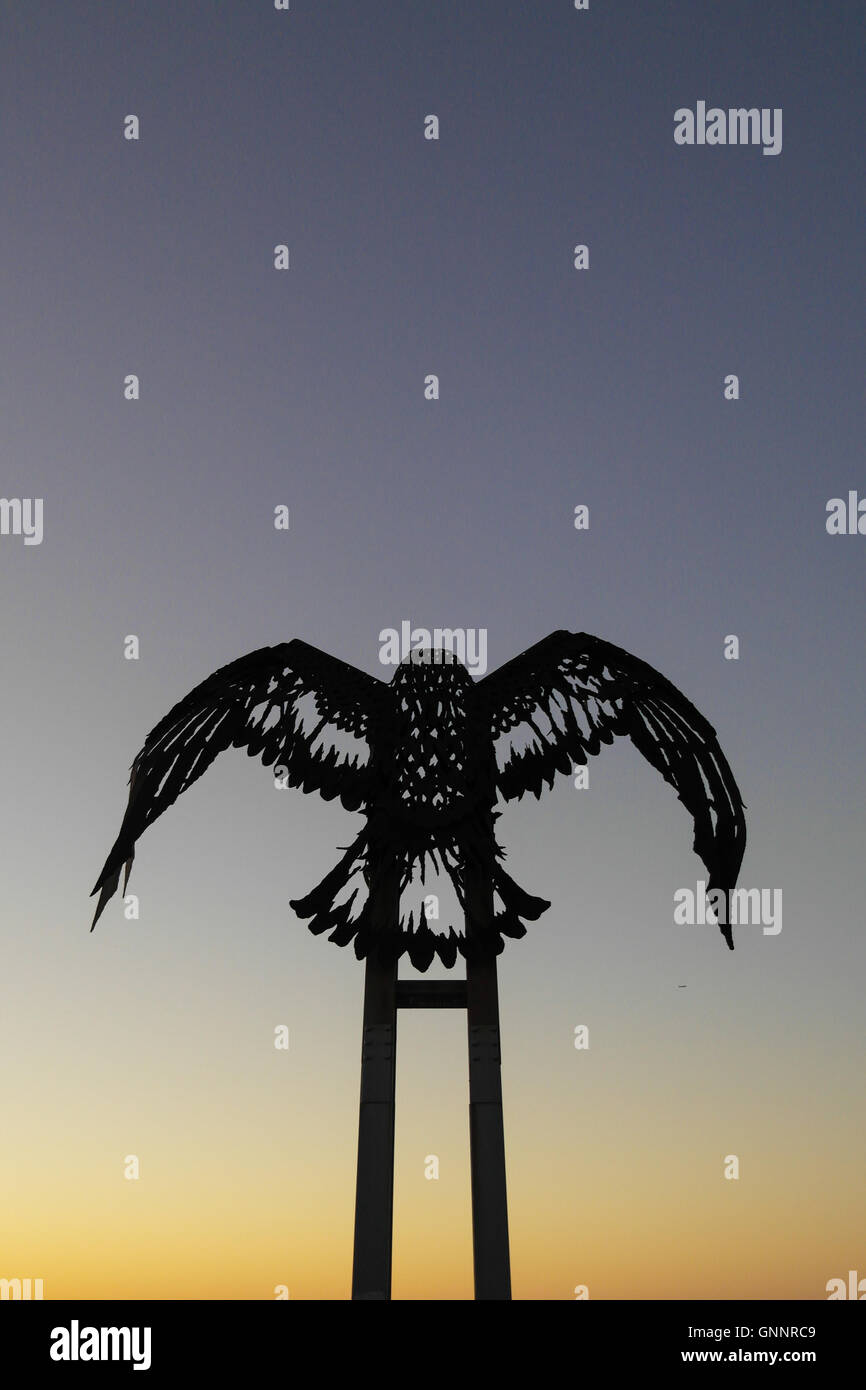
(422, 768)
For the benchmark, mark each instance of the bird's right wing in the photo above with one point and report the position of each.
(257, 703)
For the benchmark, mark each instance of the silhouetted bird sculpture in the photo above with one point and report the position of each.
(430, 777)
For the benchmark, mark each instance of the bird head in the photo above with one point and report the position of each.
(427, 668)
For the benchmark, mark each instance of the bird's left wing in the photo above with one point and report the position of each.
(257, 703)
(570, 693)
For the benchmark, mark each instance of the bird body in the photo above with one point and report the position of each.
(431, 779)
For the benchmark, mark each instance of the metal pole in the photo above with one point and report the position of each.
(374, 1195)
(486, 1129)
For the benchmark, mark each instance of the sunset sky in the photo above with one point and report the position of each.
(305, 388)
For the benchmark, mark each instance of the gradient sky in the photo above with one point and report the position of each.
(558, 387)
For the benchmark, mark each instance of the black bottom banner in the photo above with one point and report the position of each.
(211, 1339)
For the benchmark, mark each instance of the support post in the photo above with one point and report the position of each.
(374, 1194)
(374, 1197)
(486, 1130)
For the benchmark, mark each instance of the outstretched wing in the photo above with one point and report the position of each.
(571, 693)
(257, 703)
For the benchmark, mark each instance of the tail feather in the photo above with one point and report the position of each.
(351, 921)
(517, 902)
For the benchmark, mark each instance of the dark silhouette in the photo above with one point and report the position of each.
(427, 786)
(430, 779)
